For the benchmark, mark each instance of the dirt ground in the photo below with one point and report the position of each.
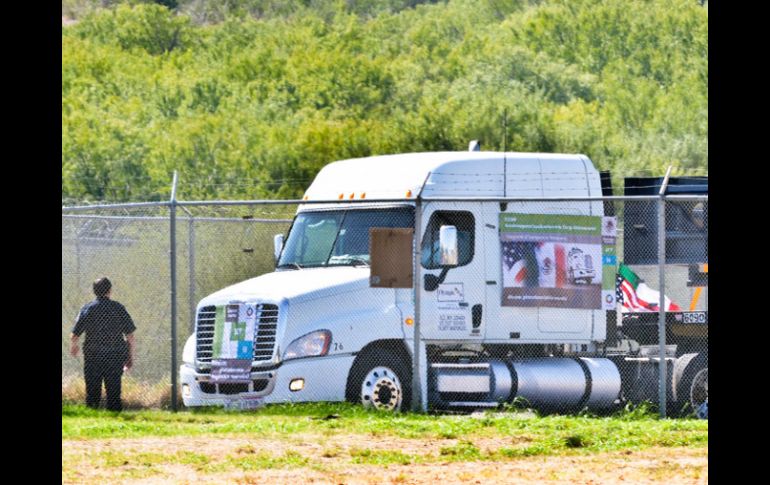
(331, 460)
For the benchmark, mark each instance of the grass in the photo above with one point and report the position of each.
(266, 461)
(221, 445)
(463, 451)
(529, 435)
(383, 457)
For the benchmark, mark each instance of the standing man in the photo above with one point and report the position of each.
(106, 353)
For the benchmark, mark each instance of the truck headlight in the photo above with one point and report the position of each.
(313, 344)
(188, 354)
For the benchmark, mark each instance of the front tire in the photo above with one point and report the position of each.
(381, 380)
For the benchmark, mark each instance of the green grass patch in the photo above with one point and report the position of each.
(462, 451)
(266, 461)
(527, 434)
(384, 457)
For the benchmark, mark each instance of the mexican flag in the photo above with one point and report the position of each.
(635, 296)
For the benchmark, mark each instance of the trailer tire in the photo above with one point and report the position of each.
(690, 383)
(381, 380)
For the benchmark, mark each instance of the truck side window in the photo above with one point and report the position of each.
(465, 224)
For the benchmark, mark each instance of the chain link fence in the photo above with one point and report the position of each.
(549, 303)
(131, 247)
(215, 247)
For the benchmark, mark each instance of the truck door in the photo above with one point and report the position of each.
(452, 307)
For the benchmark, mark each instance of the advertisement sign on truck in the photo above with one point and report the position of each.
(549, 260)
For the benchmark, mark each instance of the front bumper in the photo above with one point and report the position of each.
(325, 380)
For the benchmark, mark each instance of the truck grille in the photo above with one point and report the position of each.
(264, 335)
(205, 335)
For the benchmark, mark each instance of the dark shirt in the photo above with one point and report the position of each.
(104, 322)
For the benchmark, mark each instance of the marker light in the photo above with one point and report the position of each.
(363, 195)
(352, 194)
(408, 193)
(409, 321)
(341, 196)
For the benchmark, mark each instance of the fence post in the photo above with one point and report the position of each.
(172, 262)
(662, 374)
(191, 267)
(416, 385)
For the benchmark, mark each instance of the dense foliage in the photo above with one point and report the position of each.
(250, 98)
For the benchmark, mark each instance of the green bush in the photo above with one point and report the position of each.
(253, 100)
(153, 28)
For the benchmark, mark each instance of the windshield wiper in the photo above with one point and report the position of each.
(289, 265)
(347, 261)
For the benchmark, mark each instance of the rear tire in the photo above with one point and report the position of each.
(690, 384)
(381, 379)
(699, 393)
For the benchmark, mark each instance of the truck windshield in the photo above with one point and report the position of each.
(337, 238)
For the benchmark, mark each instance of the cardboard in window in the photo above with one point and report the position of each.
(391, 251)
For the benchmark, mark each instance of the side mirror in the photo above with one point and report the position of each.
(447, 238)
(277, 246)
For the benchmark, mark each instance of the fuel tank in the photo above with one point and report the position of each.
(548, 384)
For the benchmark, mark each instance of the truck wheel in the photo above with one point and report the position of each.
(699, 393)
(690, 383)
(381, 380)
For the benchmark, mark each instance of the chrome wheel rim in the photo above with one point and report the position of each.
(381, 389)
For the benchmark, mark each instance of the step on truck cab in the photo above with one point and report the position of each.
(324, 330)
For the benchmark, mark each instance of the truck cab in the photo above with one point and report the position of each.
(323, 332)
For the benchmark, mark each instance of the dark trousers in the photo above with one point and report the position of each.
(107, 368)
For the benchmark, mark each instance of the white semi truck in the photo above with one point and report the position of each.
(323, 330)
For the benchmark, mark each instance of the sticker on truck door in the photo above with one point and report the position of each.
(452, 322)
(450, 292)
(452, 316)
